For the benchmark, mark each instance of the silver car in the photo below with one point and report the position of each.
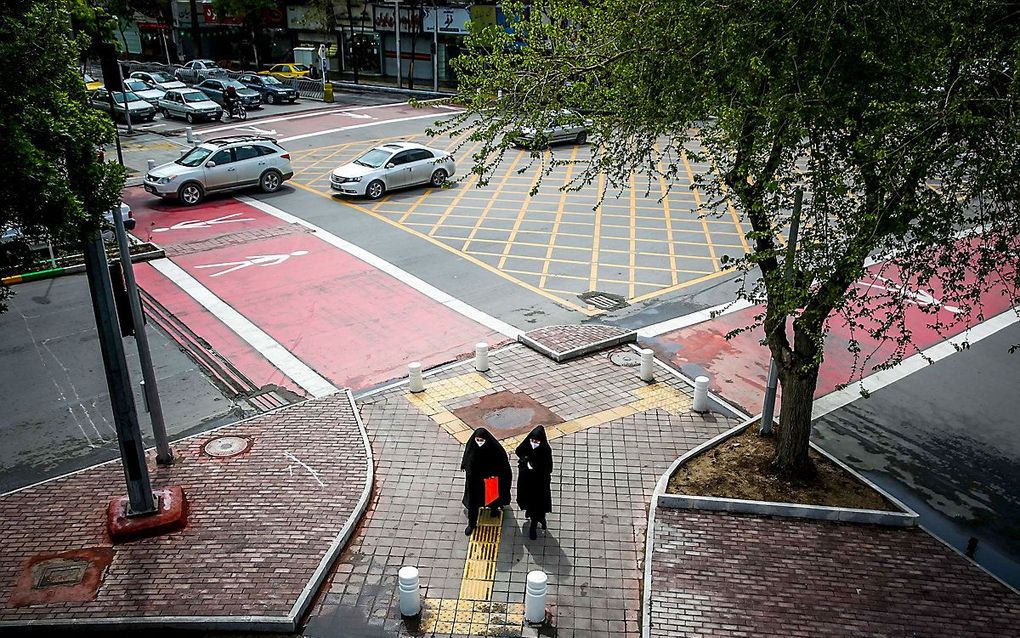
(561, 126)
(143, 90)
(221, 164)
(123, 104)
(391, 166)
(190, 104)
(155, 80)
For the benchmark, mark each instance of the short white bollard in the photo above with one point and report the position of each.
(701, 394)
(481, 356)
(534, 596)
(647, 365)
(190, 132)
(410, 597)
(150, 164)
(414, 377)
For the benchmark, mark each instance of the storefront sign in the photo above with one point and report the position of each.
(445, 20)
(384, 19)
(300, 18)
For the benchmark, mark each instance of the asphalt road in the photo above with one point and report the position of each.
(56, 415)
(945, 440)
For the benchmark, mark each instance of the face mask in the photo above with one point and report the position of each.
(479, 442)
(534, 444)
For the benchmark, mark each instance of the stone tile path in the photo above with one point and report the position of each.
(259, 525)
(719, 574)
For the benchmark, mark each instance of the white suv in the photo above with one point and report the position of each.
(222, 164)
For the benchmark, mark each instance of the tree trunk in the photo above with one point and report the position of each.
(196, 39)
(350, 25)
(795, 421)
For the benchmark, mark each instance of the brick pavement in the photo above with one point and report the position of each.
(719, 574)
(603, 481)
(259, 524)
(565, 342)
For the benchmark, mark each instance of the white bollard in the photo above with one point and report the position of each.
(410, 597)
(534, 596)
(481, 356)
(701, 394)
(414, 376)
(190, 132)
(150, 164)
(647, 365)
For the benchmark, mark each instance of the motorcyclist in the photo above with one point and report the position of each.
(230, 100)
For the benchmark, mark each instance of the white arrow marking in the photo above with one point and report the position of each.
(918, 297)
(359, 116)
(257, 130)
(198, 223)
(253, 260)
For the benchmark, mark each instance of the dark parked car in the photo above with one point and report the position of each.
(272, 90)
(215, 88)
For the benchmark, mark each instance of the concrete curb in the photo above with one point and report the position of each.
(285, 624)
(51, 273)
(588, 348)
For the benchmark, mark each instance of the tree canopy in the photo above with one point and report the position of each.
(898, 119)
(55, 184)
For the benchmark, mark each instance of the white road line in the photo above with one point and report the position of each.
(397, 273)
(271, 349)
(354, 126)
(840, 398)
(657, 329)
(299, 116)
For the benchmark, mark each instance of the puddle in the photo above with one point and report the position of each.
(508, 418)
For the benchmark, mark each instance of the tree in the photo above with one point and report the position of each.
(251, 12)
(899, 119)
(56, 186)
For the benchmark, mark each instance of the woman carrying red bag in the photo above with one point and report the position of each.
(485, 460)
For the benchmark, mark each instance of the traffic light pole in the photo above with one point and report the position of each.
(164, 456)
(125, 418)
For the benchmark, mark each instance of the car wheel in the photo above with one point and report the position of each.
(438, 177)
(165, 113)
(270, 181)
(190, 117)
(190, 193)
(270, 98)
(582, 137)
(375, 189)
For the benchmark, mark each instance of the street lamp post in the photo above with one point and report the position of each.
(396, 22)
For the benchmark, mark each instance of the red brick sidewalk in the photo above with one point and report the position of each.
(263, 527)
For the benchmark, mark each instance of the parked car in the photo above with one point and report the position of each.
(287, 71)
(123, 103)
(143, 90)
(562, 126)
(190, 104)
(156, 80)
(221, 164)
(216, 87)
(199, 70)
(391, 166)
(272, 90)
(91, 84)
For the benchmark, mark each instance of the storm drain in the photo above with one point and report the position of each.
(603, 300)
(226, 446)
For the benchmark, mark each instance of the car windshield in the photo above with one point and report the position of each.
(374, 158)
(270, 80)
(234, 83)
(120, 98)
(194, 157)
(135, 85)
(88, 78)
(159, 77)
(194, 96)
(300, 68)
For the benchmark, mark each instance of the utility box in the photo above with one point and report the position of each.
(306, 56)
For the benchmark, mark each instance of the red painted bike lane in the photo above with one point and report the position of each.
(738, 367)
(353, 324)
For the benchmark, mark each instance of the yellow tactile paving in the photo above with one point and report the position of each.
(480, 565)
(430, 401)
(470, 618)
(650, 239)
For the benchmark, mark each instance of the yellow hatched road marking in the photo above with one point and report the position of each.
(492, 200)
(593, 275)
(465, 186)
(702, 211)
(520, 216)
(669, 221)
(633, 236)
(559, 218)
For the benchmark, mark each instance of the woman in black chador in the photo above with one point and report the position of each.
(535, 465)
(484, 457)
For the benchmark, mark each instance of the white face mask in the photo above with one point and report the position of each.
(479, 442)
(534, 444)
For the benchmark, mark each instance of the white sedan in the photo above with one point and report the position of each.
(143, 90)
(391, 166)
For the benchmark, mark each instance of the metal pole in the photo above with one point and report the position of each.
(118, 379)
(396, 21)
(435, 48)
(127, 109)
(164, 456)
(768, 406)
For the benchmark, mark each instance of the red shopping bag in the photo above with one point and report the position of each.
(491, 490)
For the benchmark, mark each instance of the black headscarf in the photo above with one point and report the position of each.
(479, 463)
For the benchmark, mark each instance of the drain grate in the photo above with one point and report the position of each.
(625, 359)
(60, 572)
(603, 300)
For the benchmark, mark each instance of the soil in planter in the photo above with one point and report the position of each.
(741, 468)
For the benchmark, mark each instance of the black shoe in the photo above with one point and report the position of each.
(468, 530)
(532, 533)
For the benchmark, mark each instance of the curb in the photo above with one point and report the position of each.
(588, 348)
(51, 273)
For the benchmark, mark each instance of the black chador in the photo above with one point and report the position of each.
(484, 458)
(535, 466)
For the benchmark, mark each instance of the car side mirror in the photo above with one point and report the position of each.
(210, 164)
(390, 165)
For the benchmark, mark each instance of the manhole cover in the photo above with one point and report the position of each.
(509, 418)
(59, 572)
(224, 446)
(506, 414)
(625, 359)
(603, 300)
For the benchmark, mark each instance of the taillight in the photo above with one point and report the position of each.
(285, 156)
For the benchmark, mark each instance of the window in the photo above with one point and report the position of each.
(402, 157)
(264, 150)
(421, 154)
(195, 96)
(373, 158)
(245, 152)
(222, 157)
